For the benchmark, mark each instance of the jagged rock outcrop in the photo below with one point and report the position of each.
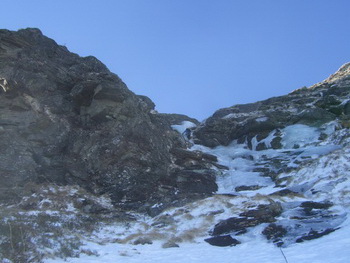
(68, 120)
(312, 106)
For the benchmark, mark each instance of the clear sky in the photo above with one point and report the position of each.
(196, 56)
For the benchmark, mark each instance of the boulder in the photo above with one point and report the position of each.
(222, 241)
(230, 225)
(170, 244)
(250, 218)
(275, 232)
(143, 241)
(264, 213)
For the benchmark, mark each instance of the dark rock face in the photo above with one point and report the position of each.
(66, 119)
(247, 188)
(222, 241)
(275, 233)
(312, 106)
(236, 226)
(143, 241)
(310, 205)
(170, 244)
(250, 218)
(233, 224)
(313, 234)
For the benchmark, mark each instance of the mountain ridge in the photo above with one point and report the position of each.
(84, 154)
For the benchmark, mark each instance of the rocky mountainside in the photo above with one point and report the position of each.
(312, 106)
(291, 150)
(85, 160)
(68, 120)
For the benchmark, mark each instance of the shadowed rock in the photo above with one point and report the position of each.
(313, 234)
(250, 218)
(222, 241)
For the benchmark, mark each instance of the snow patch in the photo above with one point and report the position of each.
(261, 119)
(183, 126)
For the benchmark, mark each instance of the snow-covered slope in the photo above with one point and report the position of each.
(310, 182)
(283, 193)
(332, 248)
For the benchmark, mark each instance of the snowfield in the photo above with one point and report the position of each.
(323, 177)
(334, 248)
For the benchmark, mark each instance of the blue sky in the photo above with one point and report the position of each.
(196, 56)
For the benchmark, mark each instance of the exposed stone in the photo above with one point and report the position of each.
(181, 153)
(68, 120)
(170, 244)
(196, 181)
(215, 212)
(230, 225)
(316, 205)
(250, 218)
(276, 143)
(222, 241)
(315, 234)
(177, 119)
(347, 108)
(247, 188)
(275, 233)
(284, 192)
(163, 221)
(265, 213)
(143, 241)
(310, 205)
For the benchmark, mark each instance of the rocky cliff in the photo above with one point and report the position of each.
(67, 120)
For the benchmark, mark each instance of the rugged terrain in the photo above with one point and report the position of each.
(85, 160)
(67, 120)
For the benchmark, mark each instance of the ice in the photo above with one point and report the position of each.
(330, 127)
(316, 151)
(299, 135)
(243, 161)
